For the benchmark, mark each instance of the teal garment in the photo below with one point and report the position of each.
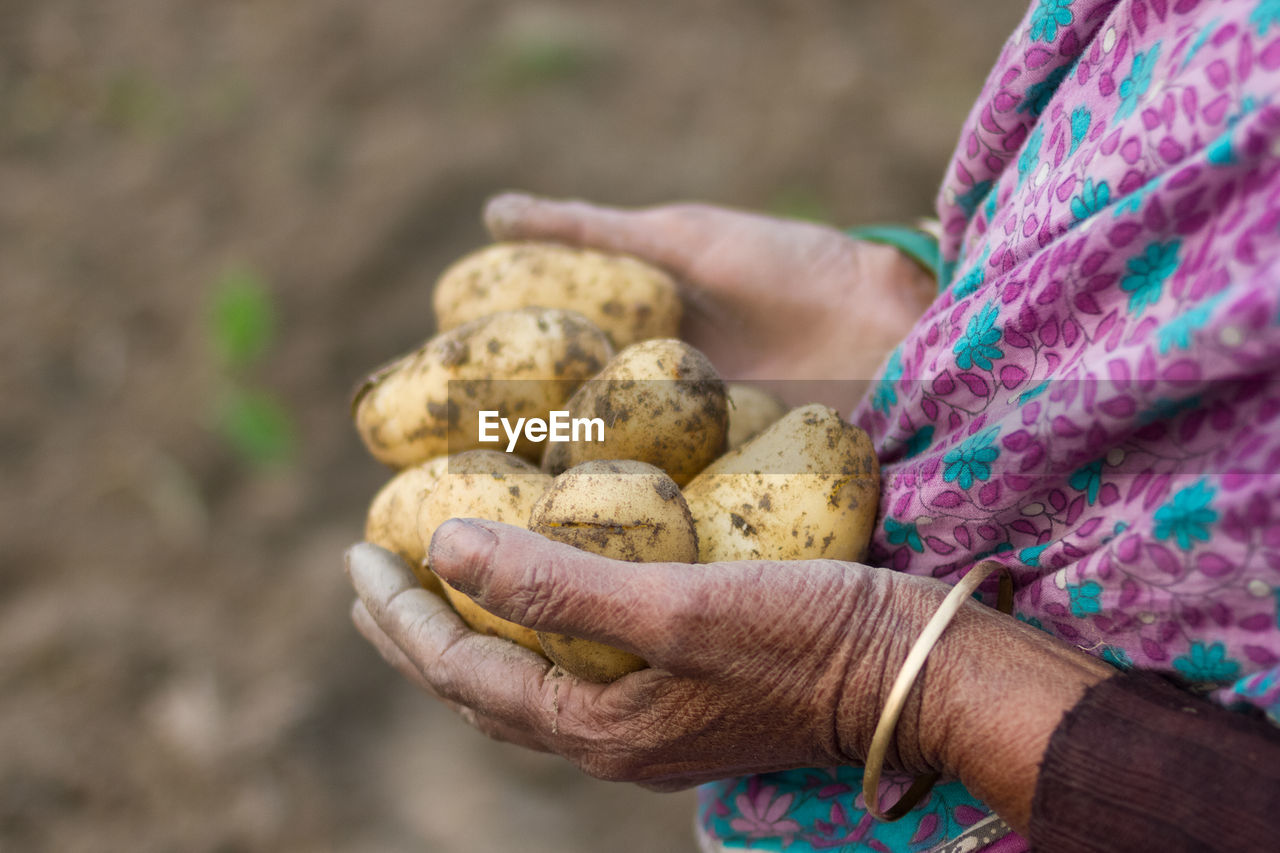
(809, 810)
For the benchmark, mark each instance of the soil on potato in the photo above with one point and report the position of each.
(178, 668)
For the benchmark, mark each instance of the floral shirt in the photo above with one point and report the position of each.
(1091, 397)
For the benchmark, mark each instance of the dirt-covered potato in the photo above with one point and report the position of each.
(660, 402)
(751, 410)
(485, 484)
(392, 521)
(627, 298)
(624, 510)
(521, 364)
(807, 487)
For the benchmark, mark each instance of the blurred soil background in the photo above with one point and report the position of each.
(213, 218)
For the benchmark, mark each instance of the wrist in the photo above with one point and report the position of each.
(893, 618)
(1003, 689)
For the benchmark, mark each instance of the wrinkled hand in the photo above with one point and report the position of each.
(755, 666)
(766, 298)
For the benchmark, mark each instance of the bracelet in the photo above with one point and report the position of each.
(906, 679)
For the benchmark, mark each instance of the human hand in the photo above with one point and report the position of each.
(751, 663)
(766, 298)
(755, 666)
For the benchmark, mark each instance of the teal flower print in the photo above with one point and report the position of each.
(1147, 274)
(1117, 657)
(1203, 663)
(1032, 393)
(973, 197)
(919, 442)
(1030, 156)
(1047, 17)
(1132, 203)
(972, 459)
(978, 344)
(903, 534)
(1187, 515)
(1164, 409)
(1092, 198)
(1031, 556)
(1084, 599)
(1178, 330)
(974, 278)
(1133, 87)
(1037, 96)
(1033, 622)
(1266, 13)
(1220, 152)
(1206, 33)
(885, 395)
(1088, 480)
(1081, 118)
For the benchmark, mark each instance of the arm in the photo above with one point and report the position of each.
(798, 682)
(1140, 764)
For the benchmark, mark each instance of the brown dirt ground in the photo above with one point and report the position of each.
(177, 667)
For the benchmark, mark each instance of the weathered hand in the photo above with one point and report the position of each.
(766, 298)
(755, 666)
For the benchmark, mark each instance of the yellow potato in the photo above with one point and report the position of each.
(807, 487)
(630, 300)
(428, 402)
(624, 510)
(483, 484)
(392, 521)
(751, 409)
(660, 402)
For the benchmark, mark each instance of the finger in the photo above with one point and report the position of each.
(550, 586)
(671, 236)
(389, 651)
(501, 679)
(392, 654)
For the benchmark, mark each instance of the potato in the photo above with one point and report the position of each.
(630, 300)
(624, 510)
(751, 409)
(427, 403)
(392, 521)
(807, 487)
(661, 402)
(485, 484)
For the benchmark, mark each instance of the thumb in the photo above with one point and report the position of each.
(550, 586)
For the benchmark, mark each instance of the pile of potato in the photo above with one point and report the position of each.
(689, 469)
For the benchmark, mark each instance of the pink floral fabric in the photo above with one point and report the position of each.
(1092, 398)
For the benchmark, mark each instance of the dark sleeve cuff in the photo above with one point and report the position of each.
(1141, 764)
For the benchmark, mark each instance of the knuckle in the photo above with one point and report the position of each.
(534, 595)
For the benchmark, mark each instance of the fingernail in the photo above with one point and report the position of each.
(375, 573)
(460, 545)
(506, 212)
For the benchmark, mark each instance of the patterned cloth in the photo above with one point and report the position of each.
(1090, 398)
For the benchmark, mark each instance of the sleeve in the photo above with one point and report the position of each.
(1140, 764)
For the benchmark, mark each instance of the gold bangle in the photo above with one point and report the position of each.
(907, 677)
